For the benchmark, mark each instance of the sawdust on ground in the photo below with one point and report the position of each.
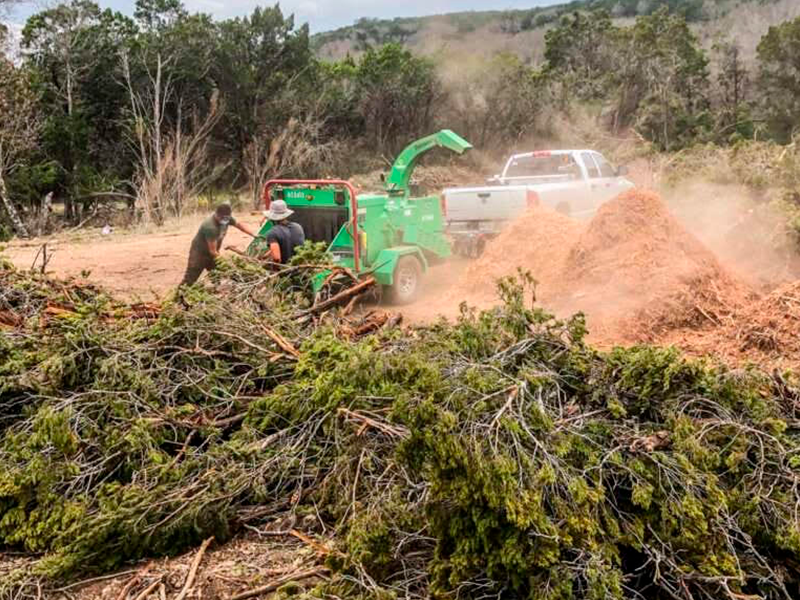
(640, 277)
(765, 332)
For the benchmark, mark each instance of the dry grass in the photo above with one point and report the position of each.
(746, 23)
(462, 53)
(296, 149)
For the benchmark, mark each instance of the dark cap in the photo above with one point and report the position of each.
(224, 210)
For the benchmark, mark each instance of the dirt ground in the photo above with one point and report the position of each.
(147, 264)
(254, 560)
(143, 264)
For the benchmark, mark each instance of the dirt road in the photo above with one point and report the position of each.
(142, 265)
(147, 264)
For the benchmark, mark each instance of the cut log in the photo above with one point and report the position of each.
(341, 297)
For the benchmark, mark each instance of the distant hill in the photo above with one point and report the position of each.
(463, 40)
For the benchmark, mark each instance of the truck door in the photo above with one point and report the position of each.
(610, 183)
(595, 185)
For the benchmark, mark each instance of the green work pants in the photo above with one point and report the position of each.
(195, 268)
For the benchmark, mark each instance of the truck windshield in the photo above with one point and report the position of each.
(544, 165)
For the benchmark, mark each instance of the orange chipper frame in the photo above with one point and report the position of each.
(326, 182)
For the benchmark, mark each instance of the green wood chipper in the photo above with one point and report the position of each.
(390, 236)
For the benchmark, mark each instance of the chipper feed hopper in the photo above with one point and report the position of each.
(390, 235)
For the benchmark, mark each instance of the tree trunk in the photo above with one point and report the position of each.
(44, 213)
(13, 216)
(158, 166)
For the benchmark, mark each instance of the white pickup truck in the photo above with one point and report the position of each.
(573, 182)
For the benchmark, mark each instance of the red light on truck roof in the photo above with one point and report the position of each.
(542, 153)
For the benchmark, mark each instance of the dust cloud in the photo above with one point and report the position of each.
(744, 231)
(632, 269)
(647, 268)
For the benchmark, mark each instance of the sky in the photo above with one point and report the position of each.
(322, 15)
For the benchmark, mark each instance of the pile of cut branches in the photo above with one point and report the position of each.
(497, 455)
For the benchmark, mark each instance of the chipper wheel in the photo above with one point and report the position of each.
(407, 281)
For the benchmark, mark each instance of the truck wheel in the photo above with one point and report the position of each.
(477, 248)
(407, 281)
(563, 208)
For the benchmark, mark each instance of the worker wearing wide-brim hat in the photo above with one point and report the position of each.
(284, 235)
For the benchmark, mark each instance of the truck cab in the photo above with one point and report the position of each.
(579, 180)
(573, 182)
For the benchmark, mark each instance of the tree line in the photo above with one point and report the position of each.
(153, 109)
(654, 76)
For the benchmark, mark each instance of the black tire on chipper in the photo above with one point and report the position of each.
(407, 281)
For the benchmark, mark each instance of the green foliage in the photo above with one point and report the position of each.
(396, 95)
(654, 72)
(264, 66)
(500, 452)
(675, 107)
(780, 79)
(72, 54)
(579, 50)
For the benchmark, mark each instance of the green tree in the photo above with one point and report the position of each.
(662, 75)
(779, 78)
(580, 52)
(262, 65)
(397, 94)
(734, 114)
(19, 129)
(185, 45)
(159, 15)
(71, 50)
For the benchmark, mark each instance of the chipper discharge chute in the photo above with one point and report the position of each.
(390, 235)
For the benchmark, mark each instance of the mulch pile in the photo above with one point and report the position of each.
(539, 242)
(765, 332)
(640, 277)
(649, 274)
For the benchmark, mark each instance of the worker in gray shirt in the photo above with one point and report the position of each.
(284, 236)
